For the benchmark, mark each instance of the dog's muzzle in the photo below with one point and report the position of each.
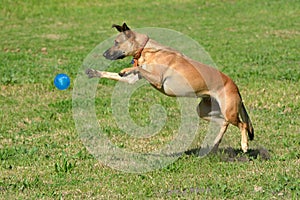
(114, 55)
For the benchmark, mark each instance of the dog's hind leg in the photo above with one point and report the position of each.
(244, 139)
(209, 110)
(230, 109)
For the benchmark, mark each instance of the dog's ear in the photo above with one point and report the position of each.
(125, 27)
(122, 28)
(119, 28)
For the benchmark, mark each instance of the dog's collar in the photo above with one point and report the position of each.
(139, 53)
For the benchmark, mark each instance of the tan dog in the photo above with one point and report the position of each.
(174, 74)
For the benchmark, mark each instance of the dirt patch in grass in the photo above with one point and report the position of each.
(230, 154)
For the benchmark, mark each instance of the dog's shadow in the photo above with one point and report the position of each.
(230, 154)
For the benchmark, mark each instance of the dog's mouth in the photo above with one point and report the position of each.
(115, 55)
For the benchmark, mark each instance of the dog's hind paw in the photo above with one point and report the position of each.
(91, 73)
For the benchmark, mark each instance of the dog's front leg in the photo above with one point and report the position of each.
(154, 77)
(127, 71)
(130, 78)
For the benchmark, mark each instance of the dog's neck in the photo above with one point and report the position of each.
(139, 52)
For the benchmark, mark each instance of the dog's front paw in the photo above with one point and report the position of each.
(91, 73)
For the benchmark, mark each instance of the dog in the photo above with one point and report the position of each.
(175, 74)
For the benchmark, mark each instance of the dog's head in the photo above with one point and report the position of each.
(126, 43)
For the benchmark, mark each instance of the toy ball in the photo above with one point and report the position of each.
(62, 81)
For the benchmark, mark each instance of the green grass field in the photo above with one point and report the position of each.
(255, 42)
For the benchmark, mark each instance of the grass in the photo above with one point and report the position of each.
(254, 42)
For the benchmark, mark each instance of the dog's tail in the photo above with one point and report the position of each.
(246, 119)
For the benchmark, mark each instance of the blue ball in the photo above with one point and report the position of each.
(62, 81)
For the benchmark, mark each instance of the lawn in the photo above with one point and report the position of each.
(42, 155)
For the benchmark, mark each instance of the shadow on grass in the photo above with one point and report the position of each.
(230, 154)
(227, 154)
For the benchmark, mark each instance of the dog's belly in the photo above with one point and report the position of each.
(176, 86)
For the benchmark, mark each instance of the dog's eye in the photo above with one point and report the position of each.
(116, 42)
